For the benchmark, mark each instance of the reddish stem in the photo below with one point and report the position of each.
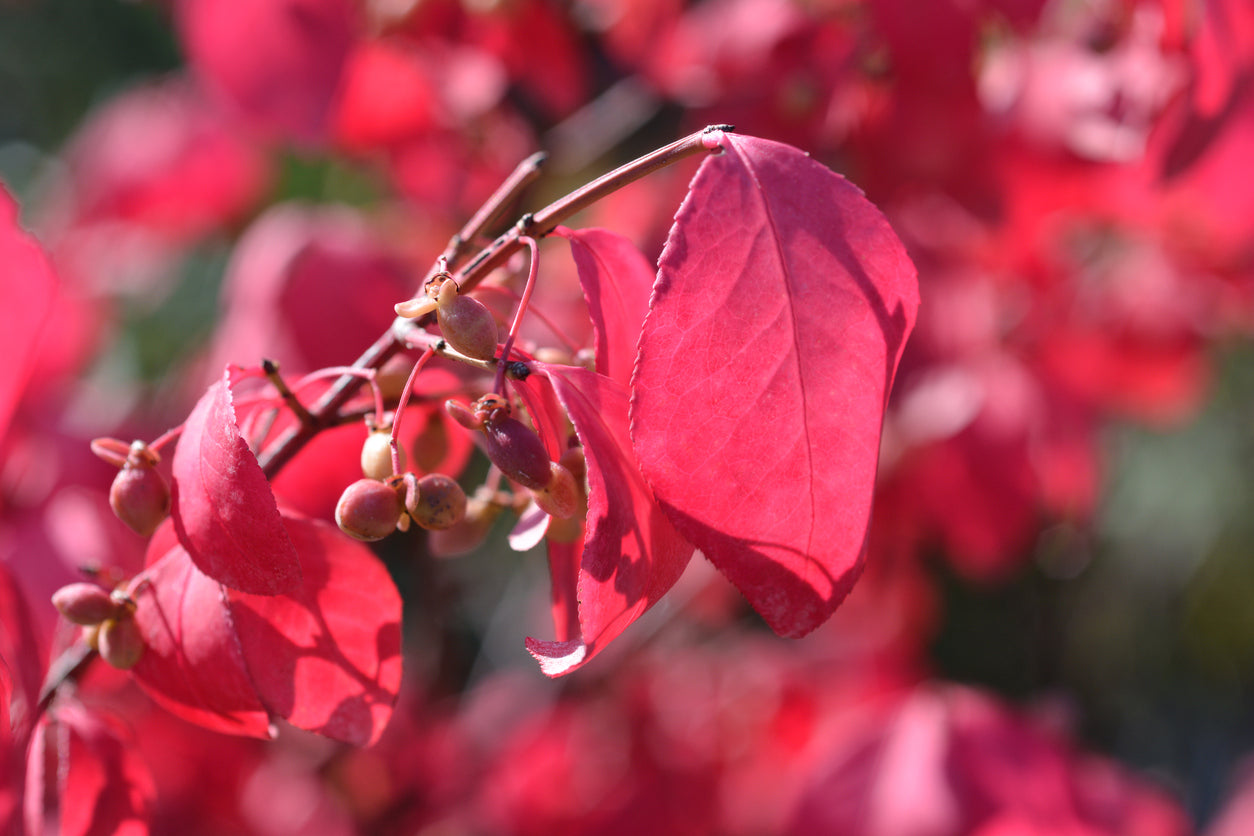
(532, 269)
(324, 413)
(400, 407)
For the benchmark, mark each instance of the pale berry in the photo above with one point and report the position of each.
(438, 503)
(466, 323)
(376, 454)
(119, 641)
(560, 497)
(368, 510)
(85, 603)
(140, 497)
(392, 375)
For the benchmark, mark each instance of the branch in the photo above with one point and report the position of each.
(323, 413)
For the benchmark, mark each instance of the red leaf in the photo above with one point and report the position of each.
(781, 307)
(83, 779)
(26, 296)
(277, 63)
(22, 658)
(631, 553)
(192, 663)
(327, 657)
(616, 280)
(224, 512)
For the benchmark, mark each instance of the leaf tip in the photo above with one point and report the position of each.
(557, 658)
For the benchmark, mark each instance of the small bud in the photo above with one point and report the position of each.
(368, 510)
(462, 415)
(140, 497)
(438, 503)
(466, 323)
(85, 603)
(120, 642)
(376, 455)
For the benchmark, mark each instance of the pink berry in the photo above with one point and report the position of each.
(119, 641)
(85, 603)
(517, 451)
(368, 510)
(466, 323)
(438, 503)
(140, 497)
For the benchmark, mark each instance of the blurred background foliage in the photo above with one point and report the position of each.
(1138, 621)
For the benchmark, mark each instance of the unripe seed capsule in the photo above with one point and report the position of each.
(376, 455)
(85, 603)
(517, 451)
(560, 498)
(466, 323)
(368, 510)
(120, 642)
(438, 503)
(140, 497)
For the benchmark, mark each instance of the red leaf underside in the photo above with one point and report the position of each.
(631, 553)
(327, 657)
(782, 304)
(223, 509)
(616, 280)
(192, 663)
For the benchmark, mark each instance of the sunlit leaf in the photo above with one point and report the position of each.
(616, 280)
(192, 663)
(223, 509)
(327, 657)
(782, 304)
(631, 553)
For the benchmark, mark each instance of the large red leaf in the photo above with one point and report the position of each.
(25, 299)
(616, 280)
(631, 553)
(782, 303)
(224, 512)
(192, 663)
(327, 657)
(84, 779)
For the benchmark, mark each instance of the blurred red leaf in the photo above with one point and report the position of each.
(26, 296)
(327, 657)
(616, 280)
(631, 553)
(192, 663)
(83, 779)
(223, 509)
(387, 96)
(21, 667)
(277, 63)
(782, 304)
